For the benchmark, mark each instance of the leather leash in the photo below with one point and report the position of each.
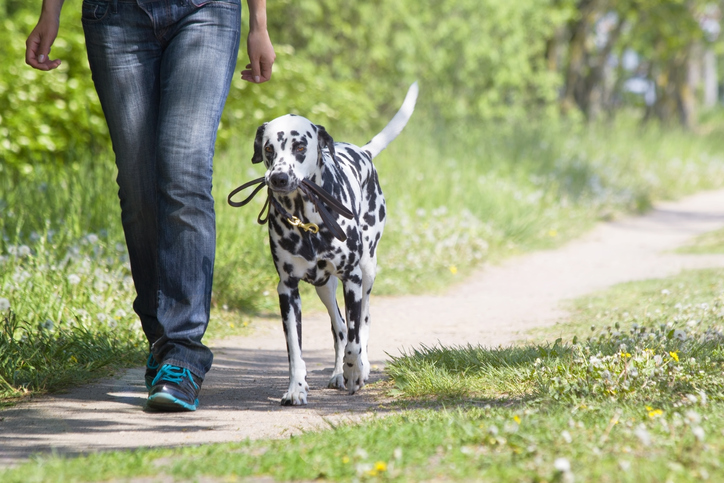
(313, 192)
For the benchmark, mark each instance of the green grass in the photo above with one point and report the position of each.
(458, 196)
(638, 398)
(712, 242)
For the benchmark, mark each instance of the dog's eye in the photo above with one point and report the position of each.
(301, 148)
(269, 149)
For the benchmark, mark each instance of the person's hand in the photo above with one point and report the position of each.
(37, 47)
(261, 57)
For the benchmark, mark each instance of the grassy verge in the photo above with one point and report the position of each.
(712, 242)
(457, 196)
(640, 398)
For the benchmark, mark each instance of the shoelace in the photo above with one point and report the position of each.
(151, 363)
(174, 374)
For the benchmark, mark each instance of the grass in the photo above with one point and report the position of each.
(458, 196)
(640, 398)
(712, 242)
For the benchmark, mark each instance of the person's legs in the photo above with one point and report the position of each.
(162, 72)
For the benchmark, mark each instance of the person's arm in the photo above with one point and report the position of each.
(37, 47)
(258, 45)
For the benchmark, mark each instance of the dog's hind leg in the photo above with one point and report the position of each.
(356, 366)
(327, 293)
(290, 304)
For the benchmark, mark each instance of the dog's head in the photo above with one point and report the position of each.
(291, 148)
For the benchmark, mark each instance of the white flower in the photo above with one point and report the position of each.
(4, 304)
(698, 433)
(73, 279)
(566, 436)
(693, 417)
(102, 317)
(665, 292)
(680, 334)
(562, 465)
(120, 313)
(92, 238)
(643, 435)
(112, 323)
(23, 251)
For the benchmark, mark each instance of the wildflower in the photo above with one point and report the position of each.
(698, 433)
(120, 314)
(643, 435)
(23, 251)
(92, 238)
(654, 413)
(693, 417)
(4, 304)
(566, 436)
(674, 355)
(380, 466)
(625, 465)
(73, 279)
(680, 335)
(516, 418)
(562, 465)
(101, 317)
(665, 292)
(453, 269)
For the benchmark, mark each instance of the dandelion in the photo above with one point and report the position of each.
(23, 251)
(680, 335)
(4, 304)
(562, 465)
(101, 317)
(516, 418)
(73, 279)
(120, 314)
(643, 435)
(453, 269)
(674, 355)
(654, 413)
(566, 436)
(380, 466)
(47, 325)
(698, 432)
(665, 292)
(693, 417)
(92, 238)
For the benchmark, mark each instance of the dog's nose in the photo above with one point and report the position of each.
(279, 180)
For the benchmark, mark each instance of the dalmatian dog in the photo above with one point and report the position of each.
(326, 238)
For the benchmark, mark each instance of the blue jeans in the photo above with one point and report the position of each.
(162, 70)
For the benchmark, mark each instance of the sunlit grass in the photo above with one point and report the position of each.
(458, 196)
(712, 242)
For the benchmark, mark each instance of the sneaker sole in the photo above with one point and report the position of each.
(166, 402)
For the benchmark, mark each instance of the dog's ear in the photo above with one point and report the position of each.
(325, 141)
(258, 156)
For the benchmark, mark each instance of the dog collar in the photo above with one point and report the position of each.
(314, 192)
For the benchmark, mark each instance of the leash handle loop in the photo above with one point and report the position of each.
(236, 204)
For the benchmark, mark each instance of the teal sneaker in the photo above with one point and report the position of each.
(151, 371)
(174, 389)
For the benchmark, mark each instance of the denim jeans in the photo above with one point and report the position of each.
(162, 70)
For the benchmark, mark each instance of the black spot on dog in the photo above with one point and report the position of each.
(280, 135)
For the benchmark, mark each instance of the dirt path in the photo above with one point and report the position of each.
(240, 397)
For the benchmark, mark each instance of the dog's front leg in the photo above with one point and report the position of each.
(356, 364)
(290, 304)
(327, 294)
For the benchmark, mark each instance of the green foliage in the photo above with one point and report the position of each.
(46, 117)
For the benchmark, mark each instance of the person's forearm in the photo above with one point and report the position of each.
(257, 14)
(52, 8)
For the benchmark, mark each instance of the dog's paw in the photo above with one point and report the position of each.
(336, 382)
(356, 370)
(296, 395)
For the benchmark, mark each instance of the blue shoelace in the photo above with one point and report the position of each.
(174, 374)
(151, 363)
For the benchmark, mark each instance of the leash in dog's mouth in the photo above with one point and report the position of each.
(314, 192)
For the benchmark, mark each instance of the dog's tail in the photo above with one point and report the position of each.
(395, 126)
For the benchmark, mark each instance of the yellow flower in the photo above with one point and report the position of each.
(453, 269)
(655, 413)
(345, 459)
(674, 355)
(553, 233)
(516, 418)
(380, 466)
